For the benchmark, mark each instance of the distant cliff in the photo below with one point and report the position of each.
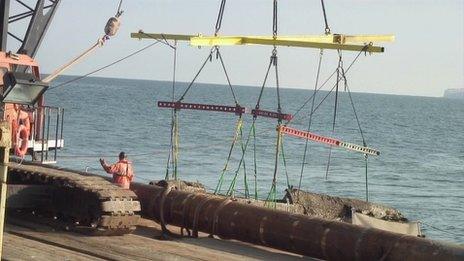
(454, 93)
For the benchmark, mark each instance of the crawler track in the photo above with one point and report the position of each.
(84, 202)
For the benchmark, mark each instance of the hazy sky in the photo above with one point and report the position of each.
(426, 58)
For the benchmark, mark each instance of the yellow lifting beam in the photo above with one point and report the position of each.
(331, 41)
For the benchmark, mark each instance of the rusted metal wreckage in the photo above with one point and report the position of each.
(229, 219)
(315, 237)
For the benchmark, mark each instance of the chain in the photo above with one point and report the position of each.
(274, 62)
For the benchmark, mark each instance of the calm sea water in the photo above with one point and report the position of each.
(420, 170)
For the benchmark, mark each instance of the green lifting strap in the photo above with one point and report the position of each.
(173, 156)
(271, 197)
(254, 161)
(231, 188)
(245, 182)
(176, 146)
(237, 132)
(285, 163)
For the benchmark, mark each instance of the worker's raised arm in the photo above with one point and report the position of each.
(105, 166)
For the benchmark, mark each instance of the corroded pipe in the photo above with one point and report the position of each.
(314, 237)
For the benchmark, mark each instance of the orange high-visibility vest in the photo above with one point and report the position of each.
(122, 173)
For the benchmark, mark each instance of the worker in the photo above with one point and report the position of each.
(122, 170)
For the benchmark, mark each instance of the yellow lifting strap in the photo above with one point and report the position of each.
(330, 41)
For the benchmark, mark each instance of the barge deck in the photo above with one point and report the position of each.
(26, 240)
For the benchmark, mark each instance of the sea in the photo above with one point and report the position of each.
(420, 169)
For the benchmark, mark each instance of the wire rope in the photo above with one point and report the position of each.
(171, 162)
(220, 17)
(104, 67)
(340, 64)
(227, 76)
(274, 62)
(210, 55)
(310, 98)
(303, 163)
(327, 28)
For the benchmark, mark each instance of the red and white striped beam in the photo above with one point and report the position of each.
(202, 107)
(326, 140)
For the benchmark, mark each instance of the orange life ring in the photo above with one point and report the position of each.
(22, 141)
(24, 117)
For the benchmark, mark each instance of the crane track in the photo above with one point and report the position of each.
(87, 203)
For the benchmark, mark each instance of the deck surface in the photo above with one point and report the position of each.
(24, 240)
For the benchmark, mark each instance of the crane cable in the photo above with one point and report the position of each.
(105, 67)
(297, 111)
(279, 145)
(279, 110)
(327, 28)
(327, 31)
(173, 153)
(274, 20)
(216, 51)
(340, 65)
(238, 134)
(119, 11)
(303, 163)
(219, 17)
(360, 131)
(111, 28)
(341, 75)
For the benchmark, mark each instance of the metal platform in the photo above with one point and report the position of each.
(38, 145)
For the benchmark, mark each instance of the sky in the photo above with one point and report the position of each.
(426, 58)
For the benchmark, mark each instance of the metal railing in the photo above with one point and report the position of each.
(47, 133)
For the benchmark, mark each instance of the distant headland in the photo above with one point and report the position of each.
(454, 93)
